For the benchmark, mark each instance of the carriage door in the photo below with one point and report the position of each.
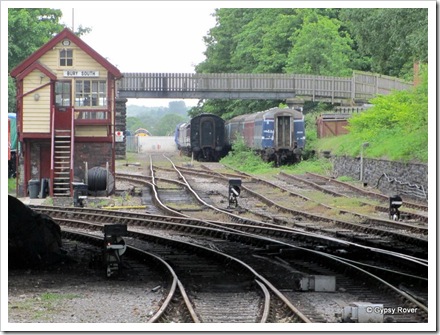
(207, 136)
(283, 131)
(63, 105)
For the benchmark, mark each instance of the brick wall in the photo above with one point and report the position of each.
(95, 154)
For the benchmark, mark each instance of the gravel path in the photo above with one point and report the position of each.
(75, 292)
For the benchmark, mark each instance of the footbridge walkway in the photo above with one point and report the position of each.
(359, 88)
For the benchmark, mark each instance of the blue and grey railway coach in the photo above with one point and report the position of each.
(277, 134)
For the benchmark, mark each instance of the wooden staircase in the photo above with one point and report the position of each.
(62, 162)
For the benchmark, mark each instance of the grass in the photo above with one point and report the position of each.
(253, 164)
(244, 159)
(11, 186)
(318, 166)
(43, 305)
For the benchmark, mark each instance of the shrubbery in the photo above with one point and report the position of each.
(396, 128)
(246, 160)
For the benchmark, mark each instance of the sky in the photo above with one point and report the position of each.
(145, 36)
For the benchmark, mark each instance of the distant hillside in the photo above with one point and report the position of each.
(159, 121)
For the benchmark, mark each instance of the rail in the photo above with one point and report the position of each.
(361, 87)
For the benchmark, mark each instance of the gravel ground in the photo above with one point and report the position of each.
(75, 292)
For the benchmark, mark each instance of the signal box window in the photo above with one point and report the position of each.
(66, 57)
(91, 93)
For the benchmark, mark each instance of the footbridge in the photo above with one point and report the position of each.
(359, 88)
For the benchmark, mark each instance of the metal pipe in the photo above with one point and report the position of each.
(364, 145)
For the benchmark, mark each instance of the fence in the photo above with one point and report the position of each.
(362, 86)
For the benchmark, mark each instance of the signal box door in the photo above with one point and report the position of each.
(63, 105)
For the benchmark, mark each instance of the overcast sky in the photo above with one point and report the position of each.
(145, 36)
(156, 36)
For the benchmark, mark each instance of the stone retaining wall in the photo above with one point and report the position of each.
(410, 180)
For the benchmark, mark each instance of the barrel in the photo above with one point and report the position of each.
(33, 188)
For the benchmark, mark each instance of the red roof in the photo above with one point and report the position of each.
(37, 65)
(65, 34)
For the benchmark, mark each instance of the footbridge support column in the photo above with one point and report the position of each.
(120, 125)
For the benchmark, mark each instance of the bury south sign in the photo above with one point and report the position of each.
(83, 73)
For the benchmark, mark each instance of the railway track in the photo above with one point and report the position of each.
(265, 209)
(215, 287)
(175, 306)
(259, 263)
(411, 211)
(304, 186)
(270, 264)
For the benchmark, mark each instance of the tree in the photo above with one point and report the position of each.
(319, 48)
(178, 107)
(28, 30)
(393, 37)
(258, 40)
(220, 39)
(263, 43)
(167, 124)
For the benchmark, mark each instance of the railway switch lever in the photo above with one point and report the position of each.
(395, 203)
(234, 191)
(114, 247)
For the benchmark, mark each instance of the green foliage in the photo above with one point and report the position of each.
(392, 37)
(12, 103)
(319, 166)
(244, 159)
(159, 121)
(167, 124)
(345, 179)
(396, 127)
(310, 40)
(12, 183)
(319, 48)
(28, 30)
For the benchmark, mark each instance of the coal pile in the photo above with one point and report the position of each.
(34, 239)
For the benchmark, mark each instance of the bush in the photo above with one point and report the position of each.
(396, 128)
(245, 159)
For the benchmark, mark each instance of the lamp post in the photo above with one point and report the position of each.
(363, 146)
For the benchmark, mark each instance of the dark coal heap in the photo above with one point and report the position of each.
(34, 239)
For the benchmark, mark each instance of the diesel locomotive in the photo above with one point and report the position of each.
(203, 136)
(277, 134)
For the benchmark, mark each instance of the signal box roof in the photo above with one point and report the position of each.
(66, 33)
